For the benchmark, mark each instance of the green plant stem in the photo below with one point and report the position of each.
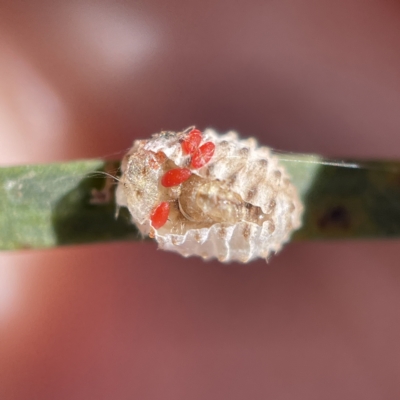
(44, 206)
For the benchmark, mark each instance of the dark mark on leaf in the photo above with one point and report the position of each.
(337, 217)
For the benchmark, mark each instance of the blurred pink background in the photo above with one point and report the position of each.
(83, 79)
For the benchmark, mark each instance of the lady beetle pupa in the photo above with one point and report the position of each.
(209, 195)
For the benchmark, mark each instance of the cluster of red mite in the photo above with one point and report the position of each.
(200, 156)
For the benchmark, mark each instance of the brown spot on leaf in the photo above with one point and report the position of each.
(335, 217)
(99, 197)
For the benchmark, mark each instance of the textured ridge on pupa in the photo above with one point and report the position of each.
(238, 165)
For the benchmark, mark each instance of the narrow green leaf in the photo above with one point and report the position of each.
(57, 204)
(342, 202)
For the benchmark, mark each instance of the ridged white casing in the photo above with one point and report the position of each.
(240, 165)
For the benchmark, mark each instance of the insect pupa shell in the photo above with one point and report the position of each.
(239, 206)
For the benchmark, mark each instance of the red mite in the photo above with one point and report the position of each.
(192, 142)
(175, 177)
(203, 155)
(160, 215)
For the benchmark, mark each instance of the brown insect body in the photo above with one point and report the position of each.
(212, 201)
